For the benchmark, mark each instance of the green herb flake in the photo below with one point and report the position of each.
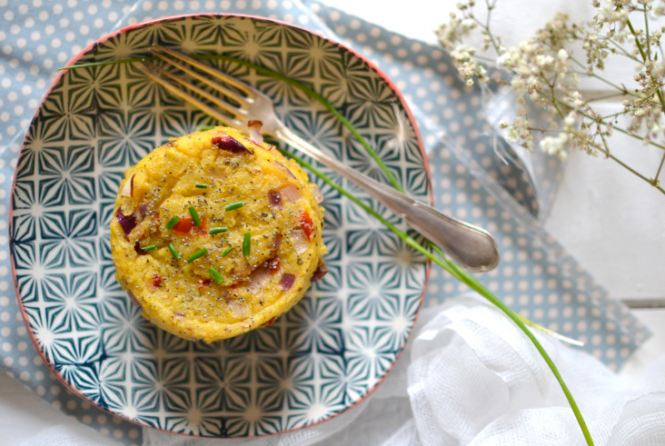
(172, 222)
(214, 231)
(202, 186)
(149, 247)
(227, 251)
(195, 216)
(247, 244)
(204, 128)
(216, 276)
(233, 206)
(197, 254)
(174, 253)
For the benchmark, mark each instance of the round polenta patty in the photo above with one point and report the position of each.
(214, 235)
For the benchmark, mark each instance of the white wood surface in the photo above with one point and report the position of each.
(610, 221)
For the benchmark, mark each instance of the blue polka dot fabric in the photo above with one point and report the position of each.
(473, 180)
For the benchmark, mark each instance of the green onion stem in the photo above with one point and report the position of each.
(247, 244)
(233, 206)
(172, 222)
(227, 251)
(174, 252)
(465, 278)
(201, 186)
(215, 276)
(219, 230)
(457, 272)
(268, 72)
(197, 254)
(195, 216)
(149, 247)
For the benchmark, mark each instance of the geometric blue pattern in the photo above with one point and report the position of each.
(319, 359)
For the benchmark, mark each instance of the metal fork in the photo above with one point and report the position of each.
(472, 247)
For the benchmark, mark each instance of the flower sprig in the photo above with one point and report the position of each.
(545, 70)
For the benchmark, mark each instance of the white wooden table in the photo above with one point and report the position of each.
(611, 222)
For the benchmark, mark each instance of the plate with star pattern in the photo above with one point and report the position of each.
(321, 358)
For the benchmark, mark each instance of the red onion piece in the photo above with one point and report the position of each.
(291, 193)
(287, 281)
(299, 241)
(277, 242)
(143, 210)
(283, 167)
(320, 272)
(128, 222)
(255, 131)
(228, 143)
(317, 193)
(128, 188)
(258, 278)
(241, 311)
(275, 199)
(139, 250)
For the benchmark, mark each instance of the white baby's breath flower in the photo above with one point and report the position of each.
(544, 71)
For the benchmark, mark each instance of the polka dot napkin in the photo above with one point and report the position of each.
(472, 181)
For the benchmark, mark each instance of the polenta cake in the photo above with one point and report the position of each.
(215, 234)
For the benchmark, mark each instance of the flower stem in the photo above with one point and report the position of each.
(646, 31)
(646, 56)
(637, 40)
(653, 182)
(660, 167)
(623, 50)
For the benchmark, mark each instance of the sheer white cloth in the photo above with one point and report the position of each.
(469, 377)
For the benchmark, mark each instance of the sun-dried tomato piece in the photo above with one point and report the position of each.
(156, 280)
(272, 265)
(186, 224)
(307, 225)
(204, 283)
(269, 323)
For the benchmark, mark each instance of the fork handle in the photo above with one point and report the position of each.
(470, 246)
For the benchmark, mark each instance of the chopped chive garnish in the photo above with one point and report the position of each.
(233, 206)
(227, 251)
(214, 231)
(247, 244)
(172, 222)
(216, 276)
(149, 247)
(197, 254)
(174, 253)
(195, 216)
(204, 128)
(202, 186)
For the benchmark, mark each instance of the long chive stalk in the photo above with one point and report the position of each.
(464, 277)
(268, 72)
(456, 271)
